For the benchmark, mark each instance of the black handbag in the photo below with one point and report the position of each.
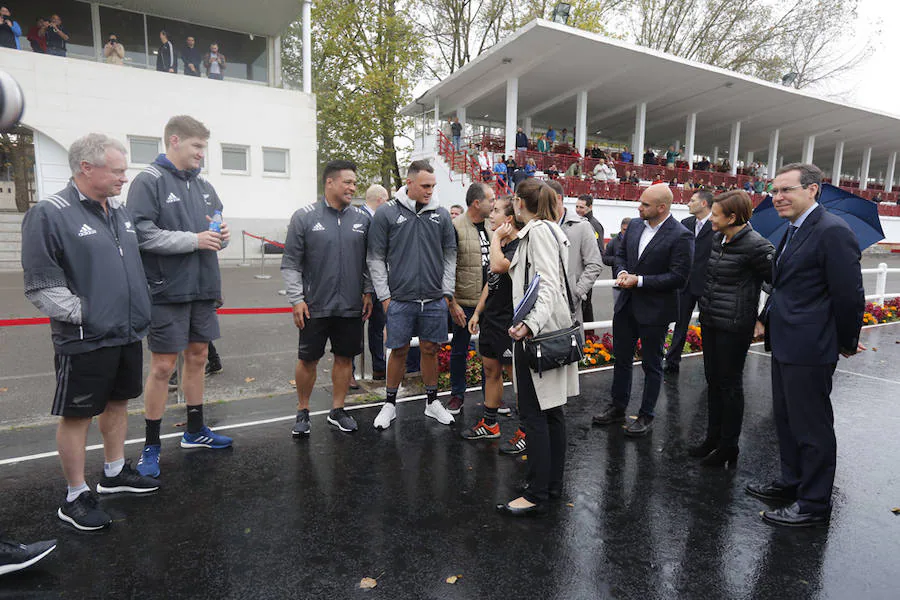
(559, 348)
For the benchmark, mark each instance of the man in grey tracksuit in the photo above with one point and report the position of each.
(83, 270)
(412, 261)
(173, 209)
(328, 285)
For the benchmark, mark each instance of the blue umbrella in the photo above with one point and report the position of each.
(860, 214)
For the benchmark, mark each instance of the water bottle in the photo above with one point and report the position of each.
(216, 223)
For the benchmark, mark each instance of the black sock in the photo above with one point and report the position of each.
(195, 418)
(490, 415)
(392, 395)
(151, 431)
(303, 414)
(431, 393)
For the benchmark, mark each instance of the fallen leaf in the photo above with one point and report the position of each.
(249, 379)
(247, 530)
(896, 511)
(874, 349)
(180, 424)
(293, 382)
(453, 579)
(367, 583)
(570, 504)
(470, 468)
(524, 458)
(3, 390)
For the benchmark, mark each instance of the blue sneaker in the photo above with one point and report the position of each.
(205, 438)
(148, 465)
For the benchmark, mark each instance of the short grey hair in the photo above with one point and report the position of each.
(92, 149)
(809, 174)
(376, 192)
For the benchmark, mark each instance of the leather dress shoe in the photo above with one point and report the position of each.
(552, 493)
(538, 510)
(721, 457)
(703, 449)
(639, 427)
(671, 368)
(773, 492)
(611, 414)
(792, 516)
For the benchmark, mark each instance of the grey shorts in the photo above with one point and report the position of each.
(406, 320)
(173, 326)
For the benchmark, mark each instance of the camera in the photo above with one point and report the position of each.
(12, 102)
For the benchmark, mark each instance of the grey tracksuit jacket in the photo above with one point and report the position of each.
(83, 269)
(324, 262)
(170, 208)
(412, 256)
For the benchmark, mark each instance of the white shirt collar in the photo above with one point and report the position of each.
(806, 213)
(658, 225)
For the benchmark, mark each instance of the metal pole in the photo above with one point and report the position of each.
(881, 282)
(262, 263)
(244, 262)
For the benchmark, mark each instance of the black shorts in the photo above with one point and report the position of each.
(495, 343)
(345, 334)
(86, 382)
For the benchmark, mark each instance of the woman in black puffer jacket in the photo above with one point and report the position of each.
(740, 261)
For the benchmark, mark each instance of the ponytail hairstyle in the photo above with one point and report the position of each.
(509, 210)
(539, 199)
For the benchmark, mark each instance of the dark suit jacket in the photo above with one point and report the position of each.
(665, 266)
(598, 228)
(702, 248)
(817, 305)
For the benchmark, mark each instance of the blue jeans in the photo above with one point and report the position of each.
(459, 354)
(456, 142)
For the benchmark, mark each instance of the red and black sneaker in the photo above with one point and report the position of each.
(455, 404)
(516, 445)
(482, 431)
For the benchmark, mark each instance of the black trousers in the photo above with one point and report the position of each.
(724, 354)
(545, 431)
(626, 332)
(686, 303)
(587, 308)
(804, 420)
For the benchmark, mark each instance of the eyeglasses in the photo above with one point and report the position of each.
(785, 190)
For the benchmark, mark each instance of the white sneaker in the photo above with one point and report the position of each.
(436, 411)
(386, 416)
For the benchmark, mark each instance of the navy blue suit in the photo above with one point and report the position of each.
(691, 293)
(815, 312)
(645, 312)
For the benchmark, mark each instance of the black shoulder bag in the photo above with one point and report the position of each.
(559, 348)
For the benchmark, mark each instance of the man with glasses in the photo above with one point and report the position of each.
(813, 315)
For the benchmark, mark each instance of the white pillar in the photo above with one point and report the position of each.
(780, 161)
(677, 145)
(640, 130)
(838, 163)
(715, 154)
(749, 160)
(809, 146)
(98, 35)
(889, 178)
(690, 135)
(529, 127)
(864, 170)
(512, 113)
(461, 115)
(437, 115)
(306, 23)
(734, 146)
(276, 62)
(581, 121)
(773, 153)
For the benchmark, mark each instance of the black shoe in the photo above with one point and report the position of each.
(15, 556)
(611, 414)
(517, 445)
(639, 427)
(301, 427)
(701, 450)
(553, 493)
(84, 513)
(538, 510)
(791, 516)
(773, 492)
(128, 480)
(339, 418)
(378, 376)
(722, 457)
(671, 368)
(213, 366)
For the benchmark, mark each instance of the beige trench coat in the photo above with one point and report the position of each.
(551, 311)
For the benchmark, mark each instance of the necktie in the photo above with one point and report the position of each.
(697, 229)
(791, 231)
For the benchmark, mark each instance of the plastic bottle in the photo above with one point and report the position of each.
(216, 223)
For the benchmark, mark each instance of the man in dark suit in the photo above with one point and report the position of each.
(699, 225)
(585, 209)
(652, 264)
(813, 315)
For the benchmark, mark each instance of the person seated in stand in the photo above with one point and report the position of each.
(530, 168)
(604, 172)
(649, 157)
(500, 169)
(553, 171)
(626, 155)
(484, 163)
(726, 166)
(747, 187)
(703, 165)
(633, 178)
(574, 170)
(596, 152)
(759, 186)
(543, 144)
(673, 182)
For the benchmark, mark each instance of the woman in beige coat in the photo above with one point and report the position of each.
(543, 247)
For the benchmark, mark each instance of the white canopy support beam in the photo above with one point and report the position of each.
(640, 132)
(690, 136)
(837, 166)
(512, 116)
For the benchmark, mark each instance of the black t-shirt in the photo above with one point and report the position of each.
(498, 308)
(485, 251)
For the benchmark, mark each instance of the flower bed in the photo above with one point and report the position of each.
(882, 313)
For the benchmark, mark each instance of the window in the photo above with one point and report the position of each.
(129, 29)
(235, 159)
(144, 150)
(275, 161)
(76, 22)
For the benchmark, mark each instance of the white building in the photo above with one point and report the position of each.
(262, 149)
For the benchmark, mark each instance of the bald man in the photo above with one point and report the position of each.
(376, 195)
(652, 266)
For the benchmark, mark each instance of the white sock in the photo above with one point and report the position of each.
(111, 469)
(76, 491)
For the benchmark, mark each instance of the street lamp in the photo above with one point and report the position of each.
(561, 13)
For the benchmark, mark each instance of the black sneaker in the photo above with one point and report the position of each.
(339, 418)
(128, 480)
(15, 556)
(301, 427)
(213, 366)
(516, 445)
(455, 404)
(84, 513)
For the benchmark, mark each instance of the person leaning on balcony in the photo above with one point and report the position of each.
(626, 155)
(166, 58)
(740, 261)
(56, 37)
(113, 51)
(191, 58)
(521, 140)
(214, 62)
(37, 35)
(10, 31)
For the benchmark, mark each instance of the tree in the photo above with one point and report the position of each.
(366, 57)
(17, 146)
